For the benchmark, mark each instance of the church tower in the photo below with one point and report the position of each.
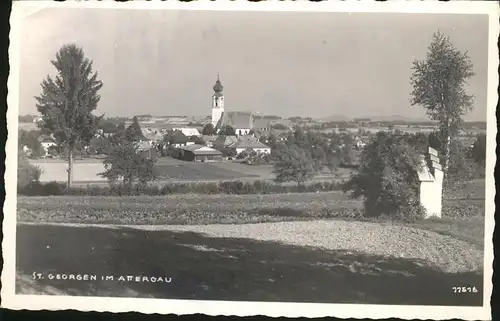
(217, 102)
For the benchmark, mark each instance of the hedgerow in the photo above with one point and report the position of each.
(223, 187)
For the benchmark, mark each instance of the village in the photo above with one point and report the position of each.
(225, 137)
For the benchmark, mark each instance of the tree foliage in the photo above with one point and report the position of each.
(478, 151)
(462, 166)
(208, 130)
(388, 176)
(108, 127)
(99, 146)
(128, 165)
(294, 164)
(30, 140)
(134, 131)
(27, 174)
(227, 130)
(439, 86)
(67, 101)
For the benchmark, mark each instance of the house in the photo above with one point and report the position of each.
(178, 139)
(188, 131)
(198, 153)
(209, 140)
(47, 142)
(249, 142)
(242, 143)
(152, 135)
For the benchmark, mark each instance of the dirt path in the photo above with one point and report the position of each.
(440, 251)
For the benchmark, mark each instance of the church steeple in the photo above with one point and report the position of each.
(218, 86)
(217, 102)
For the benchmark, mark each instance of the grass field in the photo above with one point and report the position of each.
(169, 169)
(461, 218)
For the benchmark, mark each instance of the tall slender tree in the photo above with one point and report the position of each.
(67, 101)
(439, 86)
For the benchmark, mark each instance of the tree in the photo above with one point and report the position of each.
(388, 177)
(461, 167)
(208, 130)
(134, 131)
(279, 126)
(197, 140)
(478, 151)
(99, 145)
(66, 103)
(120, 127)
(30, 140)
(347, 154)
(439, 86)
(293, 165)
(127, 164)
(108, 127)
(27, 174)
(53, 151)
(227, 131)
(332, 161)
(175, 137)
(228, 152)
(319, 157)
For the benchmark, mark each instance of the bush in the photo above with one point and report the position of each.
(463, 209)
(44, 189)
(388, 177)
(207, 188)
(27, 174)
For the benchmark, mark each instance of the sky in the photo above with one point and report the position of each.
(274, 63)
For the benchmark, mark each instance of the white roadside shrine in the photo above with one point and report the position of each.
(431, 184)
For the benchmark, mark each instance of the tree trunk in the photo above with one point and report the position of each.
(447, 150)
(70, 168)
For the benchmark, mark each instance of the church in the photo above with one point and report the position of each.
(242, 122)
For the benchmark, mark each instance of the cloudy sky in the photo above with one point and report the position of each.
(280, 63)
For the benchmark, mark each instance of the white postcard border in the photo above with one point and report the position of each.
(22, 9)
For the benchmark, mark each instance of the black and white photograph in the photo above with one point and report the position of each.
(279, 159)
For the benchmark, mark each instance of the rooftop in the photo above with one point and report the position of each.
(200, 150)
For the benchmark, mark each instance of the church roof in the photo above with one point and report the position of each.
(260, 123)
(224, 141)
(236, 119)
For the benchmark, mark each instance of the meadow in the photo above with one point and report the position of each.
(463, 212)
(86, 171)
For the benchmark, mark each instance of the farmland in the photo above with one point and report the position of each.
(169, 169)
(462, 218)
(289, 245)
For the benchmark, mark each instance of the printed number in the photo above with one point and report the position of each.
(464, 289)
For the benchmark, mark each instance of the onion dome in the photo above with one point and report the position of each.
(218, 85)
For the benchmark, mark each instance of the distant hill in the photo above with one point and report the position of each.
(398, 118)
(335, 118)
